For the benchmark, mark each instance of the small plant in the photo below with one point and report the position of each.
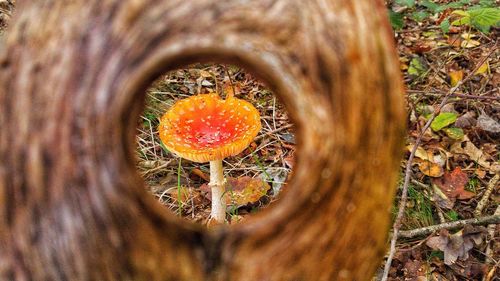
(482, 16)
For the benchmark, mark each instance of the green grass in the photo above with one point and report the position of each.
(179, 198)
(419, 212)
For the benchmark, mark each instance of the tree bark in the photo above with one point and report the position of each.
(73, 76)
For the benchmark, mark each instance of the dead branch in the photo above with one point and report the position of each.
(494, 219)
(486, 196)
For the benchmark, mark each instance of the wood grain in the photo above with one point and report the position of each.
(72, 81)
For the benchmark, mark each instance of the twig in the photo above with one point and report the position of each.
(404, 195)
(465, 96)
(486, 195)
(418, 29)
(288, 126)
(230, 81)
(163, 164)
(491, 233)
(494, 219)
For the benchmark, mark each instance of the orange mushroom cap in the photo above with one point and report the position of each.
(204, 128)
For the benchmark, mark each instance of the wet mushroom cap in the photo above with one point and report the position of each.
(204, 128)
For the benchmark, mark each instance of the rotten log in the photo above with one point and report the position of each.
(73, 76)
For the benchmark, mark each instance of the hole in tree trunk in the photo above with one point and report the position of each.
(255, 177)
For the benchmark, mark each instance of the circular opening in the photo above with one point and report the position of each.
(257, 169)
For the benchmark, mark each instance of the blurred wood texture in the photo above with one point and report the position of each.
(72, 82)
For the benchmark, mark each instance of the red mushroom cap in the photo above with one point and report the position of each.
(204, 127)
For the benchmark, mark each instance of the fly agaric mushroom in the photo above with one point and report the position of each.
(205, 128)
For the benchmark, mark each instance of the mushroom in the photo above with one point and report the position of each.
(206, 128)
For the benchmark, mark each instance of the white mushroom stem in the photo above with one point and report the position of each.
(217, 185)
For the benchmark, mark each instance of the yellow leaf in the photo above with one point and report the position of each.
(484, 68)
(430, 169)
(469, 43)
(455, 77)
(467, 36)
(421, 153)
(205, 74)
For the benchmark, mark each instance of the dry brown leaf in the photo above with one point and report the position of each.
(416, 269)
(289, 161)
(241, 191)
(205, 74)
(467, 120)
(486, 123)
(456, 246)
(480, 173)
(232, 89)
(468, 42)
(475, 154)
(421, 153)
(453, 184)
(441, 199)
(181, 193)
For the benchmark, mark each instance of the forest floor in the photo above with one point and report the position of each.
(452, 76)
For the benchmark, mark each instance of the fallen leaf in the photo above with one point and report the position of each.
(421, 153)
(486, 123)
(476, 154)
(480, 173)
(489, 148)
(484, 68)
(468, 42)
(495, 167)
(205, 74)
(415, 269)
(456, 246)
(455, 77)
(206, 83)
(453, 184)
(470, 269)
(403, 63)
(454, 133)
(241, 191)
(181, 193)
(422, 47)
(454, 40)
(289, 161)
(441, 199)
(449, 107)
(443, 120)
(232, 89)
(466, 121)
(430, 169)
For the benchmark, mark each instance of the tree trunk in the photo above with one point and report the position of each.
(72, 81)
